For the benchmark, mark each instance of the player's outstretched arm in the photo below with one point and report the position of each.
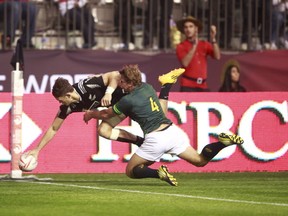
(111, 81)
(50, 133)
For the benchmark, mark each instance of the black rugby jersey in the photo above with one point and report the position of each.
(91, 90)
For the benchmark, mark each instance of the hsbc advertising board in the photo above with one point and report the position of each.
(259, 117)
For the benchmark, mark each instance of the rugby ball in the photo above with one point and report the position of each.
(27, 162)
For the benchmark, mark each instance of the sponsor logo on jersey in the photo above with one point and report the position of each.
(92, 97)
(92, 86)
(81, 87)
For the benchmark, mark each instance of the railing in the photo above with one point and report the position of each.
(150, 24)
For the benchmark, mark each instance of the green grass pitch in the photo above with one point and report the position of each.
(115, 194)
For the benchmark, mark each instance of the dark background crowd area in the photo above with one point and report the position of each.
(150, 24)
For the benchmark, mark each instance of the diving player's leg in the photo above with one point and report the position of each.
(166, 81)
(107, 130)
(151, 151)
(210, 150)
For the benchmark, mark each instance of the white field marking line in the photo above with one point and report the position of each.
(164, 194)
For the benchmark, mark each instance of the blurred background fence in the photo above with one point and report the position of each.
(150, 24)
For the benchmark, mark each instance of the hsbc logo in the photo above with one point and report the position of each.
(204, 129)
(30, 131)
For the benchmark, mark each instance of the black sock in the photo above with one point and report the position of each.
(138, 141)
(143, 171)
(212, 149)
(165, 89)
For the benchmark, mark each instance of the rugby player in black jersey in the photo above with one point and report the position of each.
(161, 135)
(88, 94)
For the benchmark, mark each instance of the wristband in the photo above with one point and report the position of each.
(109, 90)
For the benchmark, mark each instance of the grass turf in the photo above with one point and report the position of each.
(115, 194)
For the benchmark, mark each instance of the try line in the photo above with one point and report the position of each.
(164, 194)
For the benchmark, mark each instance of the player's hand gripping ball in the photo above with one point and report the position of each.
(27, 162)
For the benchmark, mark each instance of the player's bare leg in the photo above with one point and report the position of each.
(138, 167)
(210, 150)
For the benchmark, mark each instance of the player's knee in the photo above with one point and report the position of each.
(129, 172)
(201, 162)
(104, 131)
(108, 132)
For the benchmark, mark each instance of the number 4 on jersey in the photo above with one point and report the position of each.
(154, 106)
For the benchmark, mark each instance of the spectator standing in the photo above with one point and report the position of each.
(124, 16)
(192, 54)
(78, 12)
(256, 18)
(18, 12)
(231, 78)
(278, 34)
(157, 23)
(222, 12)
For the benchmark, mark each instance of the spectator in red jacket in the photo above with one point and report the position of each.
(18, 12)
(192, 54)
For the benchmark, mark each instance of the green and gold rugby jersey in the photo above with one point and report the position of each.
(142, 105)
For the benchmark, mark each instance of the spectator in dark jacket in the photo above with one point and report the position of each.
(18, 12)
(78, 12)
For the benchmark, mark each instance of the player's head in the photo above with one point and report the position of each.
(62, 91)
(130, 77)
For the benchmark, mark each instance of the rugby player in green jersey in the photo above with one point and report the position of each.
(142, 105)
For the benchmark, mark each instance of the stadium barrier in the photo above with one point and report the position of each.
(260, 71)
